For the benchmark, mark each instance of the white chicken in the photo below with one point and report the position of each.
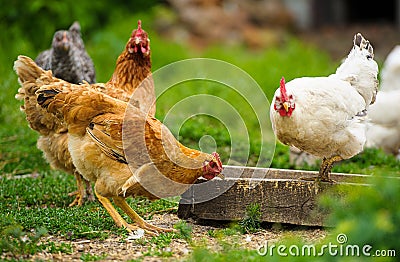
(384, 122)
(325, 116)
(390, 73)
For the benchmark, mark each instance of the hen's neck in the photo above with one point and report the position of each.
(177, 162)
(195, 154)
(194, 161)
(130, 71)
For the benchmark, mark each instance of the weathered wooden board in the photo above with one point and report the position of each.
(282, 196)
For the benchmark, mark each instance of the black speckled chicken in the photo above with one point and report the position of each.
(67, 57)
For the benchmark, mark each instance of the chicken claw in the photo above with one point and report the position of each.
(317, 179)
(325, 170)
(80, 193)
(326, 167)
(120, 202)
(120, 222)
(78, 201)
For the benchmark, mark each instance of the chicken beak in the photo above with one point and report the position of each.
(137, 40)
(65, 42)
(220, 175)
(286, 106)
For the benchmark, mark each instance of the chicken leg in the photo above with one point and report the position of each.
(325, 170)
(80, 193)
(326, 167)
(120, 202)
(120, 221)
(89, 191)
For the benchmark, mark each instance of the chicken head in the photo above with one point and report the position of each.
(139, 41)
(62, 41)
(213, 167)
(284, 103)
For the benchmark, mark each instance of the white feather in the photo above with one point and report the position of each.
(390, 74)
(384, 122)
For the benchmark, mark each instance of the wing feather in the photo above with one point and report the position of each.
(107, 134)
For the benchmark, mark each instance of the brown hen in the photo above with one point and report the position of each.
(143, 160)
(132, 67)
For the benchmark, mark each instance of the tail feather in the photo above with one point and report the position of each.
(31, 77)
(27, 70)
(360, 69)
(363, 44)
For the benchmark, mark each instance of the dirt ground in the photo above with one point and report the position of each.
(116, 248)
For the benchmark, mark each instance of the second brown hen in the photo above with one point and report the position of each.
(68, 60)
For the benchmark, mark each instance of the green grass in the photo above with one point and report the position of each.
(203, 254)
(45, 204)
(159, 245)
(90, 257)
(41, 201)
(22, 244)
(252, 222)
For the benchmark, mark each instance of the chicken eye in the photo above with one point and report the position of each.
(369, 56)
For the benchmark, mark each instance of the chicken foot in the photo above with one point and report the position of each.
(120, 202)
(80, 193)
(326, 167)
(118, 219)
(121, 222)
(324, 170)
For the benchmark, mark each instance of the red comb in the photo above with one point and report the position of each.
(139, 27)
(283, 90)
(217, 158)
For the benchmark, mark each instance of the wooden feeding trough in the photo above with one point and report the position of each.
(281, 195)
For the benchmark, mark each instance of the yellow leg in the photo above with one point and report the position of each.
(80, 193)
(120, 202)
(325, 170)
(118, 219)
(326, 167)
